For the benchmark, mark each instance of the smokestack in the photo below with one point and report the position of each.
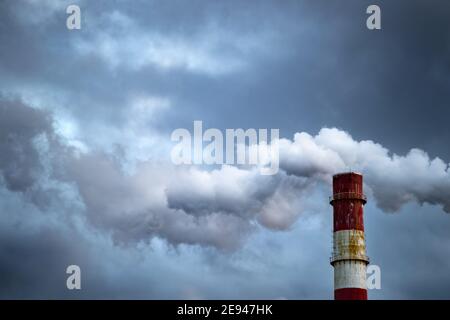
(349, 258)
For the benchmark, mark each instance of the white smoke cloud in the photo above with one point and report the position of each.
(394, 179)
(218, 207)
(182, 205)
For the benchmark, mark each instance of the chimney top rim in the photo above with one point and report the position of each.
(347, 173)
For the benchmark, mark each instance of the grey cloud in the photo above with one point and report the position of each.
(19, 159)
(134, 206)
(176, 203)
(228, 190)
(181, 205)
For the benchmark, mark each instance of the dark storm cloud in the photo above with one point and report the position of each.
(302, 53)
(366, 82)
(33, 265)
(19, 159)
(97, 72)
(412, 252)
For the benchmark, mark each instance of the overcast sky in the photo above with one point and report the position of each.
(86, 118)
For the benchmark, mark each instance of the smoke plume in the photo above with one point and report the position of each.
(220, 207)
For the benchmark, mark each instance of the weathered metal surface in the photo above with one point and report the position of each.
(348, 200)
(349, 274)
(350, 294)
(348, 182)
(348, 215)
(349, 244)
(349, 196)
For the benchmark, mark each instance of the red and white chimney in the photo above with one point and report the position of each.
(349, 247)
